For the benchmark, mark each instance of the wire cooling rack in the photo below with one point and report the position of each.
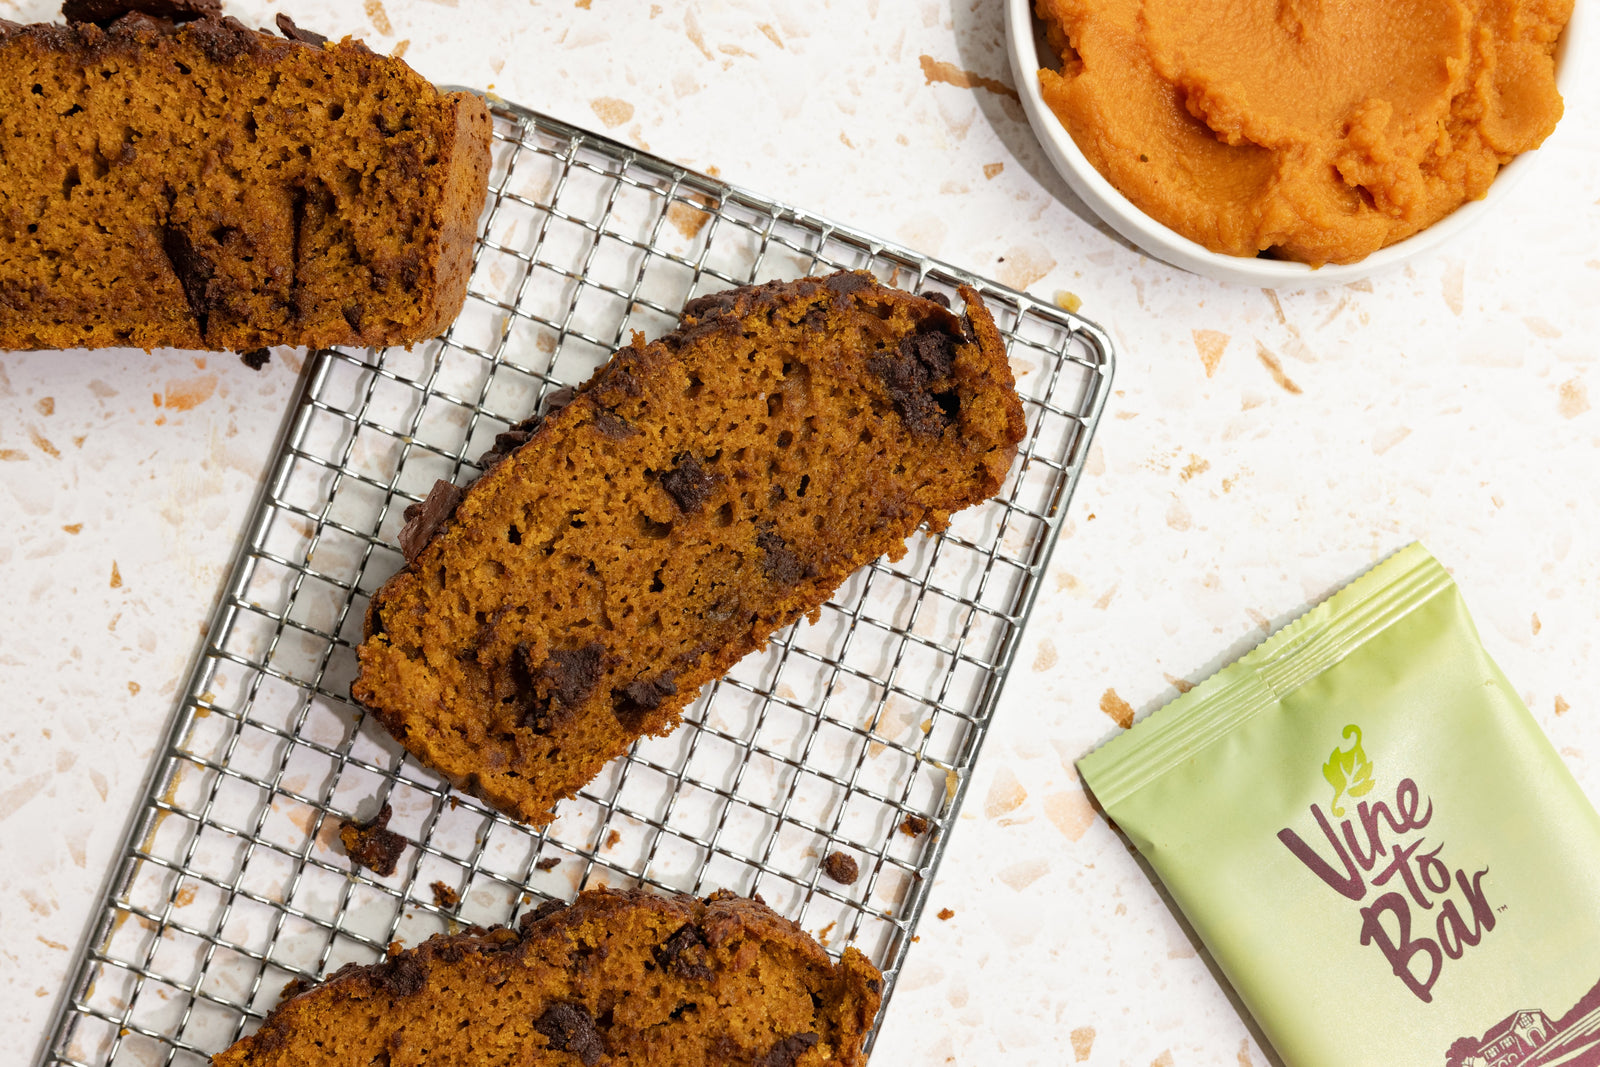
(857, 734)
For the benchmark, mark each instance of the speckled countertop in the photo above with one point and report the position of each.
(1259, 449)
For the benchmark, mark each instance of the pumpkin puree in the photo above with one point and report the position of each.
(1314, 130)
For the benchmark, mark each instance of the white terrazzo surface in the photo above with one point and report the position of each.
(1259, 450)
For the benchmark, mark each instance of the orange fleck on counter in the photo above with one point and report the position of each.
(1311, 130)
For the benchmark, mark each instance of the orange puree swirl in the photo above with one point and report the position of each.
(1314, 130)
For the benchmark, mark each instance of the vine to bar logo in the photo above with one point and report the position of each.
(1380, 860)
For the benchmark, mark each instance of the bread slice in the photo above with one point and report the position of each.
(698, 493)
(207, 186)
(618, 977)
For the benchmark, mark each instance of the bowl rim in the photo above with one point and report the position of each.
(1171, 247)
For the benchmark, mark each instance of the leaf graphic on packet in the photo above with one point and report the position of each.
(1348, 771)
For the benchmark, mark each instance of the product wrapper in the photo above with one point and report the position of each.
(1379, 847)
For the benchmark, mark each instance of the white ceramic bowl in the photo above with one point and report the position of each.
(1171, 247)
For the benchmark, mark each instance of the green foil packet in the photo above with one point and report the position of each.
(1379, 847)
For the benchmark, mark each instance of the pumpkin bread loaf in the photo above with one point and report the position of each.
(205, 185)
(617, 978)
(698, 493)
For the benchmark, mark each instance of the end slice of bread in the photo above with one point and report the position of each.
(208, 186)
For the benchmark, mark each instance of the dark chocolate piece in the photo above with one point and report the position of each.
(571, 1029)
(194, 272)
(543, 911)
(634, 700)
(913, 375)
(688, 484)
(287, 27)
(104, 12)
(551, 694)
(684, 954)
(779, 561)
(402, 976)
(425, 520)
(787, 1053)
(846, 282)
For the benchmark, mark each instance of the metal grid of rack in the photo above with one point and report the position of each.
(857, 733)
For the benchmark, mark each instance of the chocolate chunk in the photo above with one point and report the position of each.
(846, 282)
(633, 701)
(287, 27)
(104, 12)
(914, 826)
(788, 1051)
(688, 484)
(542, 912)
(444, 896)
(571, 674)
(551, 694)
(194, 272)
(779, 561)
(570, 1028)
(548, 863)
(729, 326)
(516, 436)
(223, 40)
(841, 868)
(613, 426)
(509, 440)
(9, 29)
(402, 976)
(934, 350)
(937, 297)
(648, 693)
(913, 374)
(711, 305)
(293, 988)
(424, 520)
(684, 954)
(450, 951)
(370, 845)
(622, 374)
(256, 358)
(557, 400)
